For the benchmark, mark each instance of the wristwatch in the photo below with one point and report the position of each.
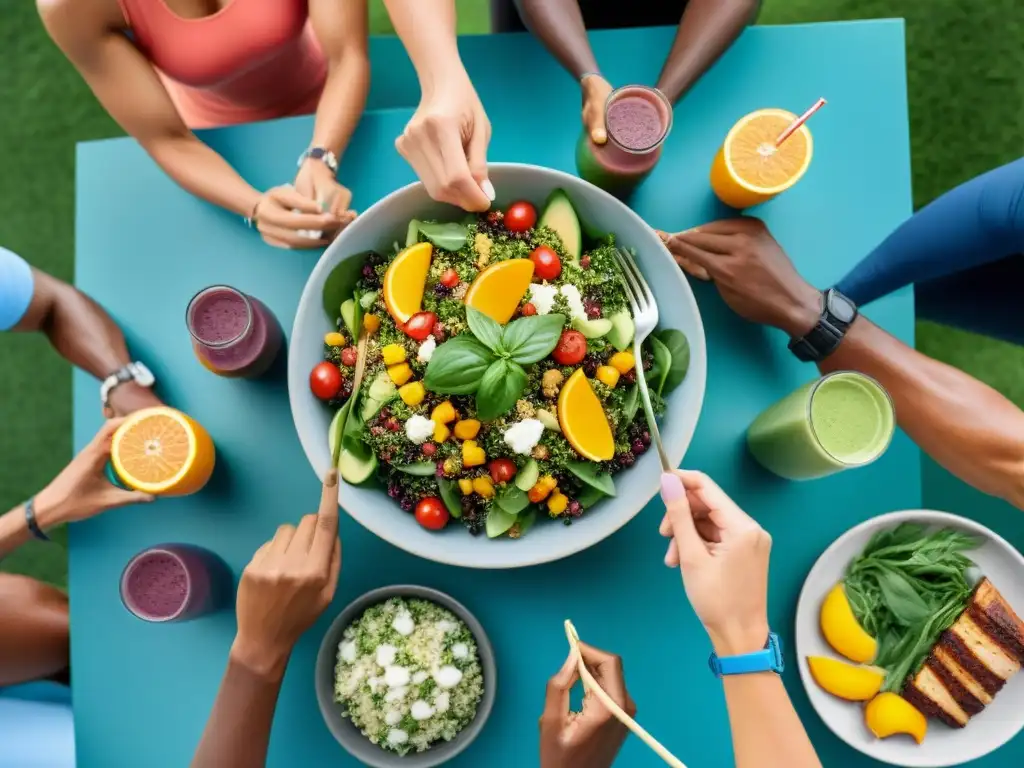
(136, 372)
(325, 156)
(837, 315)
(768, 660)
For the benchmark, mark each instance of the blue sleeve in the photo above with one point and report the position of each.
(978, 222)
(16, 288)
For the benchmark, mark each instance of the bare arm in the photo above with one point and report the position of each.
(427, 30)
(706, 31)
(559, 25)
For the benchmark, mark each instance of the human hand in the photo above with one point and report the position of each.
(82, 489)
(446, 141)
(320, 184)
(130, 397)
(279, 225)
(592, 737)
(595, 90)
(723, 555)
(287, 585)
(751, 271)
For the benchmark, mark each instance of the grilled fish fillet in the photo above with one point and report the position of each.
(972, 660)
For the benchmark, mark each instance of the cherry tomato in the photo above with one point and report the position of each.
(528, 309)
(420, 325)
(325, 380)
(571, 348)
(449, 278)
(546, 264)
(520, 217)
(349, 356)
(431, 513)
(502, 470)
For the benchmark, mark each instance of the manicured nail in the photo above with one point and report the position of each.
(600, 137)
(671, 488)
(331, 479)
(488, 189)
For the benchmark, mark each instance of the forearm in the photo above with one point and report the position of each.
(83, 333)
(965, 425)
(559, 25)
(238, 732)
(766, 730)
(342, 102)
(427, 30)
(13, 530)
(202, 172)
(707, 29)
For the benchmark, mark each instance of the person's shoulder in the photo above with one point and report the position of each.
(72, 23)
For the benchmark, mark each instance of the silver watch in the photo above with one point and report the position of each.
(136, 372)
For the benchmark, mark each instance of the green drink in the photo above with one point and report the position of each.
(841, 420)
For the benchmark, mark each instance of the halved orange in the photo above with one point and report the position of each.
(498, 290)
(162, 451)
(405, 281)
(583, 420)
(749, 169)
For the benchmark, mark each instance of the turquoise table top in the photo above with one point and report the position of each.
(143, 692)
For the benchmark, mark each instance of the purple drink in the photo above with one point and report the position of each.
(175, 582)
(232, 334)
(637, 119)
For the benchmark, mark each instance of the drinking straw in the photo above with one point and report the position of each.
(795, 125)
(590, 686)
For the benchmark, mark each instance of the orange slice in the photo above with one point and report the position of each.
(583, 421)
(498, 290)
(162, 451)
(749, 169)
(405, 281)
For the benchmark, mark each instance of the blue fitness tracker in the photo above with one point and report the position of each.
(768, 660)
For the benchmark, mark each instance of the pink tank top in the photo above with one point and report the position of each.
(252, 60)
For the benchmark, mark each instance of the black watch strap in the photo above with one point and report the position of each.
(837, 315)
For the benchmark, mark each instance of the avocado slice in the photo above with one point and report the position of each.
(561, 218)
(527, 477)
(348, 316)
(356, 469)
(621, 334)
(380, 391)
(592, 329)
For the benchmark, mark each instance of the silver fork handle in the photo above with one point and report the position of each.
(645, 394)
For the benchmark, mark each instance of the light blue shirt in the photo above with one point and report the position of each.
(36, 727)
(16, 288)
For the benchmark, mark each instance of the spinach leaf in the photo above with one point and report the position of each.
(902, 600)
(526, 521)
(532, 338)
(341, 282)
(498, 521)
(486, 330)
(679, 349)
(591, 474)
(450, 496)
(588, 497)
(662, 364)
(512, 500)
(500, 387)
(419, 468)
(352, 434)
(457, 366)
(631, 404)
(448, 236)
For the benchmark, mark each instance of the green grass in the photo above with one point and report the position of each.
(966, 84)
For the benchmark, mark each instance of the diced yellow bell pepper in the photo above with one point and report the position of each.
(467, 429)
(557, 503)
(393, 354)
(607, 375)
(484, 486)
(623, 362)
(412, 394)
(334, 339)
(441, 432)
(465, 485)
(544, 486)
(472, 454)
(444, 413)
(371, 323)
(400, 373)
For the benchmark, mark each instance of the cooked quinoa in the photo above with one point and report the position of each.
(408, 675)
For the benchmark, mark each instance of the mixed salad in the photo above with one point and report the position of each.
(484, 370)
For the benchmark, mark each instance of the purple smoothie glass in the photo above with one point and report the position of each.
(233, 334)
(175, 582)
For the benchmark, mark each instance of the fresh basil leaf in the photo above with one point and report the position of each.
(631, 404)
(448, 236)
(498, 522)
(526, 521)
(418, 468)
(662, 364)
(500, 387)
(457, 366)
(532, 338)
(450, 496)
(512, 500)
(486, 329)
(341, 282)
(588, 497)
(679, 349)
(591, 474)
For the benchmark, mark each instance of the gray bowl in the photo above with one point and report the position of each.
(387, 221)
(342, 728)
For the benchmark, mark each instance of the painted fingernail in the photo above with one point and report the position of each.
(671, 488)
(488, 189)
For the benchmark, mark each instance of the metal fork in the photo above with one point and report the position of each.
(645, 318)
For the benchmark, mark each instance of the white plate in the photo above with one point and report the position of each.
(988, 731)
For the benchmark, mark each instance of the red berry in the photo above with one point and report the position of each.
(429, 449)
(348, 356)
(571, 348)
(528, 309)
(585, 262)
(392, 425)
(449, 278)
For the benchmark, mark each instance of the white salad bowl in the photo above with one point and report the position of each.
(999, 722)
(385, 223)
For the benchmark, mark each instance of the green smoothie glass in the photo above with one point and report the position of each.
(842, 420)
(637, 119)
